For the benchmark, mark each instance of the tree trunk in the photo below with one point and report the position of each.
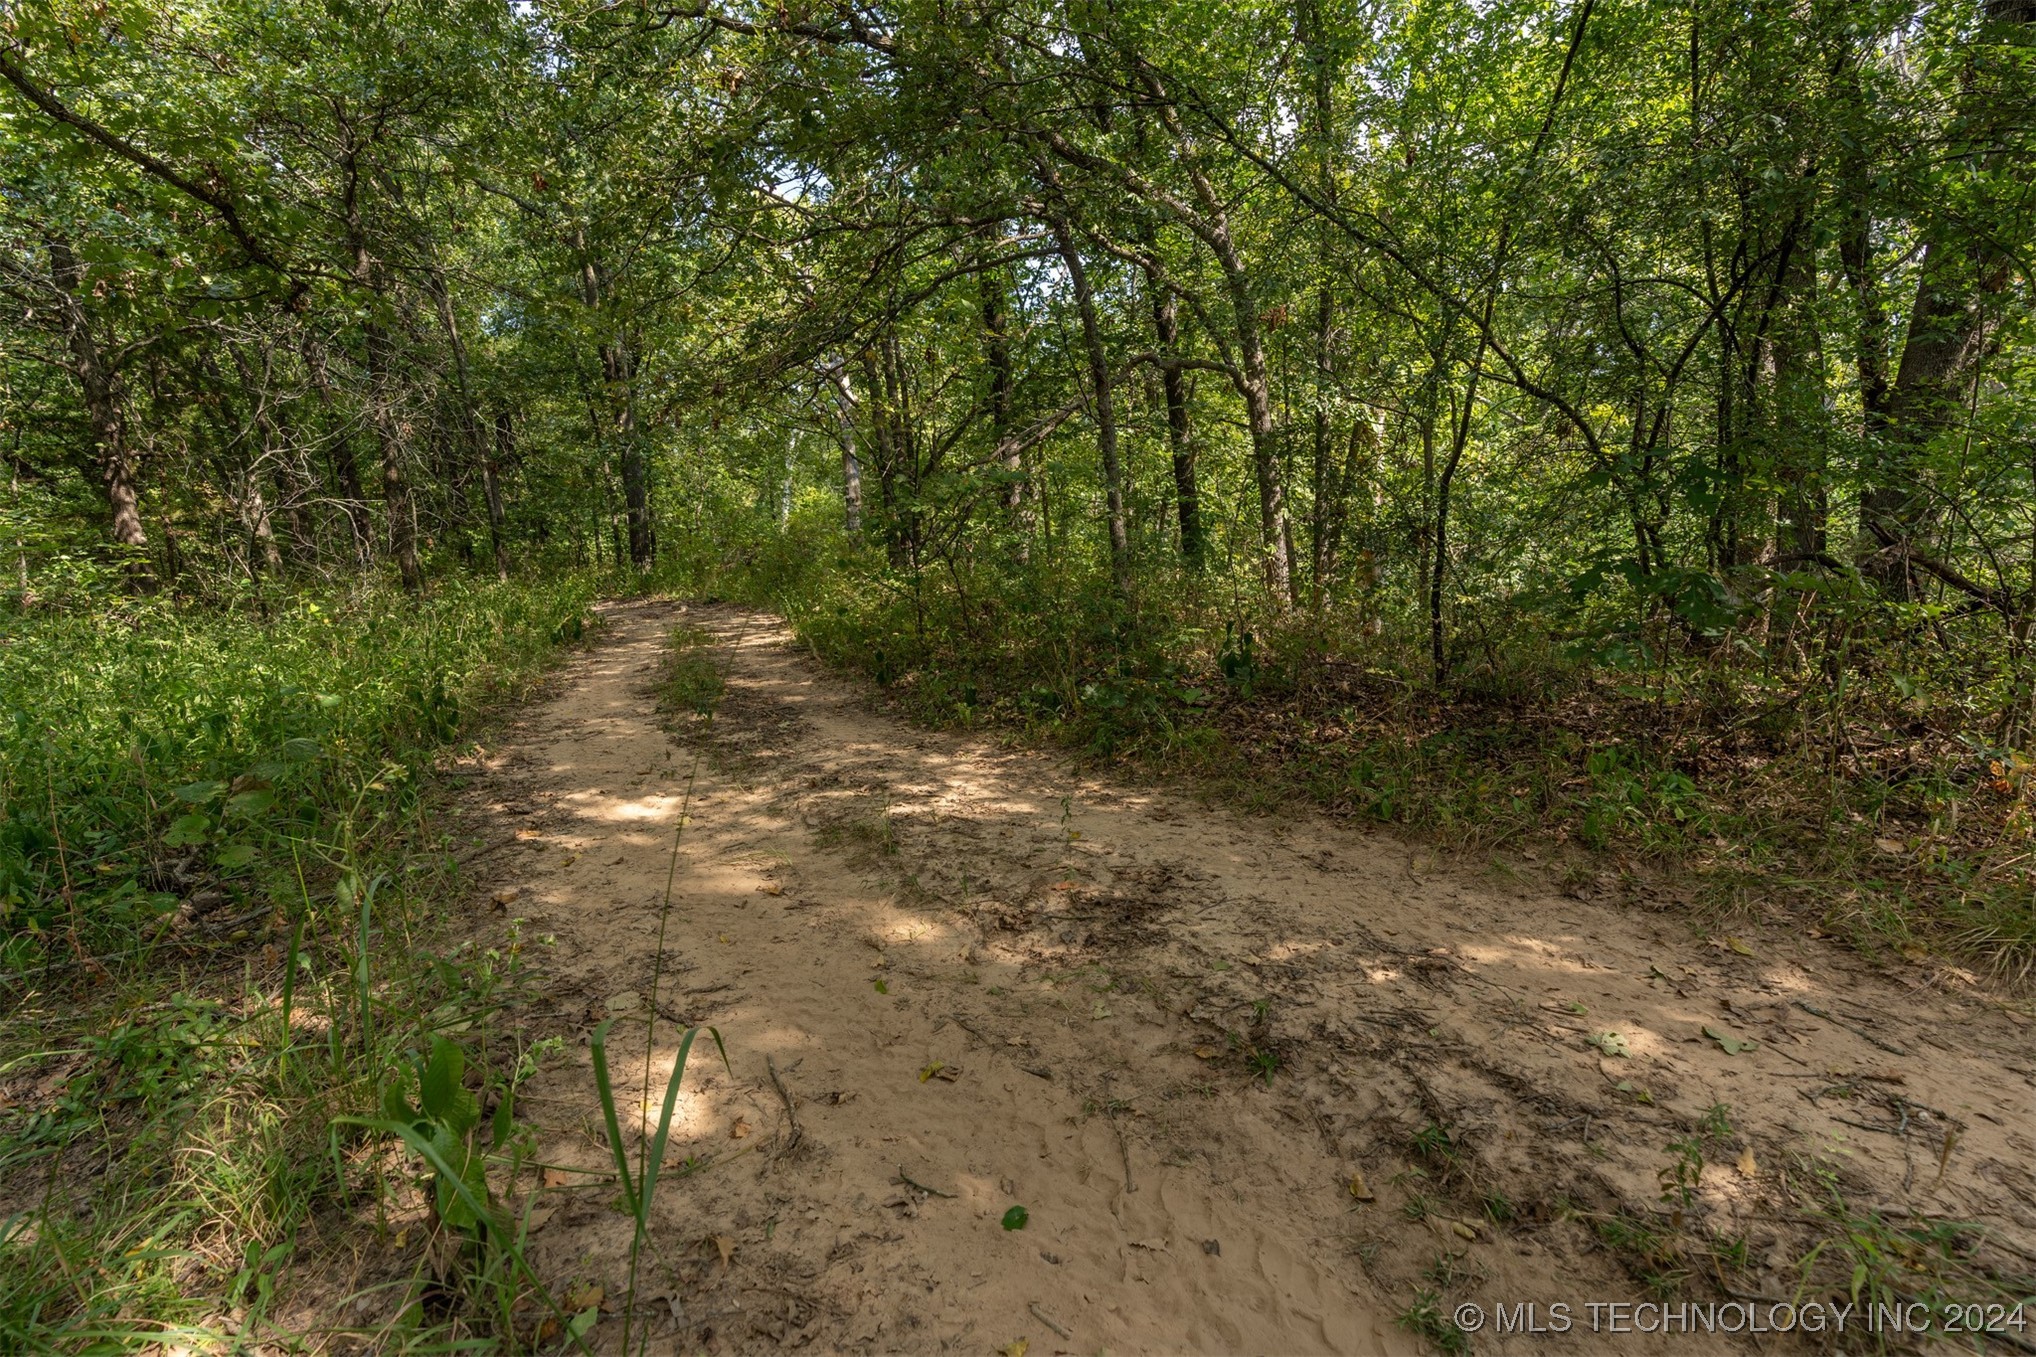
(618, 382)
(378, 351)
(1797, 421)
(353, 497)
(398, 510)
(1256, 385)
(1954, 320)
(1101, 406)
(1327, 507)
(469, 421)
(1166, 329)
(100, 384)
(397, 507)
(491, 487)
(1322, 468)
(997, 356)
(883, 443)
(1359, 460)
(1253, 381)
(618, 372)
(843, 400)
(273, 435)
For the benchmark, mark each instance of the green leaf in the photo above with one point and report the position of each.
(188, 831)
(198, 793)
(450, 1149)
(505, 1118)
(1015, 1218)
(440, 1091)
(235, 856)
(250, 803)
(396, 1107)
(1730, 1044)
(1611, 1043)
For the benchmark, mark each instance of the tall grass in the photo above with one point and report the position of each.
(223, 976)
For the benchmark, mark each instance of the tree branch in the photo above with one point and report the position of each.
(220, 203)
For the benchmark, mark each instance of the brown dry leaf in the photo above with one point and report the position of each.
(628, 1001)
(1892, 847)
(1015, 1348)
(506, 896)
(585, 1296)
(724, 1246)
(1205, 1053)
(1463, 1231)
(1748, 1167)
(557, 1178)
(739, 1130)
(1358, 1187)
(539, 1217)
(1738, 945)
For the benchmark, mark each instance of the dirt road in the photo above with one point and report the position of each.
(1260, 1086)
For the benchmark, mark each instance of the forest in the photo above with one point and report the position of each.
(1593, 434)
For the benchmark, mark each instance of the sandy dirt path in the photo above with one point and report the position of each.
(1258, 1084)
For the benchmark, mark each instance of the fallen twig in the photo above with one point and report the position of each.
(1041, 1316)
(1859, 1032)
(792, 1141)
(905, 1179)
(483, 851)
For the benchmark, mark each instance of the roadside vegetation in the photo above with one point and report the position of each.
(225, 888)
(1806, 778)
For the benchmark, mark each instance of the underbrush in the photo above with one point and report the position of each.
(1858, 789)
(233, 1029)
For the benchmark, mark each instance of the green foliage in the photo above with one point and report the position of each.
(154, 753)
(277, 770)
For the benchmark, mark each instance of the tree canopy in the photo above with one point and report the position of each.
(1645, 327)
